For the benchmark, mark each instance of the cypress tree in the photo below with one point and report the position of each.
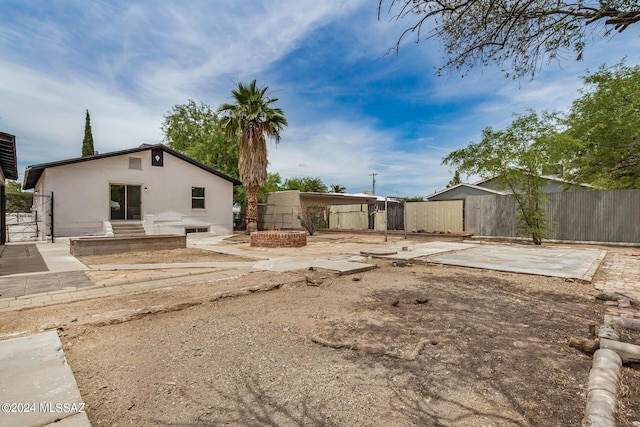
(87, 142)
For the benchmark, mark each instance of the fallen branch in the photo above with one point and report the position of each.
(615, 296)
(370, 349)
(585, 345)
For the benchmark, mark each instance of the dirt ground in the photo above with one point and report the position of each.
(162, 256)
(396, 346)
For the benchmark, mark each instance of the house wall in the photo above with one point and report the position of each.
(82, 195)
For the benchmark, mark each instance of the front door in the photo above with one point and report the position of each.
(125, 202)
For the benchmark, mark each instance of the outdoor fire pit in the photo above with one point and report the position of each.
(279, 239)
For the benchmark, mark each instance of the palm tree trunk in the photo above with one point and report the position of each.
(252, 208)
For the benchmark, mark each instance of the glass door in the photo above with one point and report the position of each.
(125, 202)
(133, 202)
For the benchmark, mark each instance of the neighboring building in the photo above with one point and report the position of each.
(492, 186)
(281, 209)
(8, 170)
(164, 190)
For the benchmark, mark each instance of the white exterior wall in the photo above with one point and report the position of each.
(82, 195)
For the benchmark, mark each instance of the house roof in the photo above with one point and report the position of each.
(362, 197)
(547, 177)
(333, 195)
(474, 186)
(8, 158)
(32, 173)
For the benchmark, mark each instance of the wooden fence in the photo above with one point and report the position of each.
(437, 216)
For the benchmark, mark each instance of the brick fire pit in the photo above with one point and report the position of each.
(279, 239)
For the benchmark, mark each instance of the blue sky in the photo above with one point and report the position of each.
(352, 109)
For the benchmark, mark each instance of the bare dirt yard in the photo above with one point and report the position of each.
(162, 256)
(421, 344)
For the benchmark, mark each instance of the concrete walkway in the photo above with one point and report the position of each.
(37, 258)
(37, 387)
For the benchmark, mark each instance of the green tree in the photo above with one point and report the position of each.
(414, 199)
(310, 184)
(337, 188)
(195, 130)
(518, 35)
(13, 187)
(602, 145)
(516, 157)
(251, 117)
(87, 142)
(17, 200)
(455, 180)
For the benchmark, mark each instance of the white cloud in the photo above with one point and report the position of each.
(345, 153)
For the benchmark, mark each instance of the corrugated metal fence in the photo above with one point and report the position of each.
(588, 216)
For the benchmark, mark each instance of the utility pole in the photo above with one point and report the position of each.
(374, 182)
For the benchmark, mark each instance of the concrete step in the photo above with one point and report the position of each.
(126, 229)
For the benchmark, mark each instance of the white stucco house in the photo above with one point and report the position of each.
(153, 185)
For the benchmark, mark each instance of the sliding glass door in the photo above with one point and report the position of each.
(125, 202)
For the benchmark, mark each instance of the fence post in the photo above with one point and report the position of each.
(386, 215)
(404, 218)
(53, 239)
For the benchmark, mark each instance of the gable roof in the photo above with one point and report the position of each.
(8, 158)
(32, 173)
(474, 186)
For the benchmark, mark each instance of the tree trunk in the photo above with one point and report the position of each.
(252, 208)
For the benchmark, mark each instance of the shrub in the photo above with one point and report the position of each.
(312, 218)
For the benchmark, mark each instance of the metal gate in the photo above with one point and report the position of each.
(34, 225)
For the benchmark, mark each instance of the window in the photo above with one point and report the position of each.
(197, 198)
(135, 163)
(196, 230)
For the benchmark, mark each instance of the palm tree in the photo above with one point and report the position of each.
(337, 188)
(252, 117)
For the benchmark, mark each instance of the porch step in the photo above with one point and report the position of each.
(127, 229)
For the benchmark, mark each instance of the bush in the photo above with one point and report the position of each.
(312, 219)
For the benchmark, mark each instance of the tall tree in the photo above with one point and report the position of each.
(87, 142)
(516, 157)
(194, 129)
(252, 117)
(455, 180)
(602, 145)
(525, 33)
